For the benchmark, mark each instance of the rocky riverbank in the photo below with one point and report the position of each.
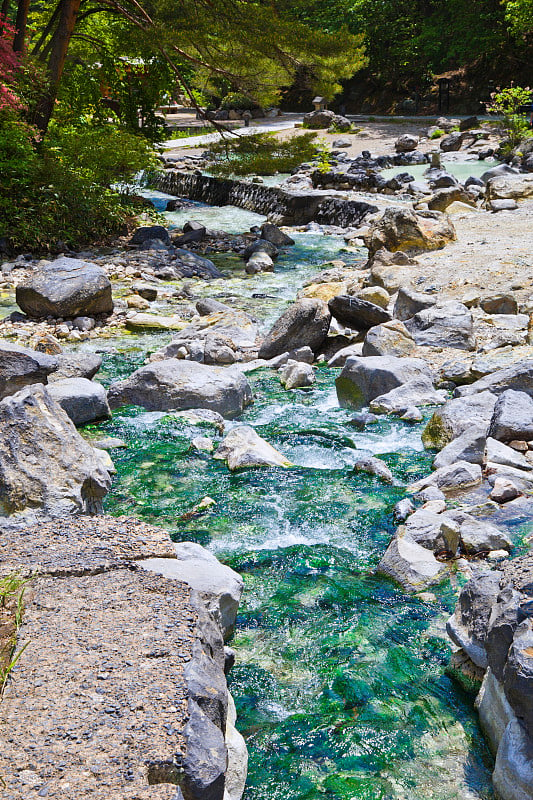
(140, 681)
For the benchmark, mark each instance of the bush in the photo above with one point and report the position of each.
(238, 102)
(437, 134)
(260, 154)
(45, 197)
(507, 102)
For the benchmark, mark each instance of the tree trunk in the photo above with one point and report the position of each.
(21, 22)
(58, 52)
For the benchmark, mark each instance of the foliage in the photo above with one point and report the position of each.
(507, 102)
(437, 134)
(260, 154)
(519, 14)
(322, 156)
(238, 101)
(12, 588)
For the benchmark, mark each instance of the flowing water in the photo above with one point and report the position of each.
(340, 680)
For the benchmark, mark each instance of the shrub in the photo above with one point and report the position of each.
(507, 102)
(260, 154)
(238, 101)
(437, 134)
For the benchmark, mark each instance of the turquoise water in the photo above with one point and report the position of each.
(340, 681)
(460, 169)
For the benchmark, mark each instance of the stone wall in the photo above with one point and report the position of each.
(281, 207)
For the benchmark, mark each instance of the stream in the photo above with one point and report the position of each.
(340, 681)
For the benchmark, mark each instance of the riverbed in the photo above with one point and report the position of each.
(340, 681)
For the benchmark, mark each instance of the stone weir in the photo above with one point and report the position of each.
(281, 207)
(119, 692)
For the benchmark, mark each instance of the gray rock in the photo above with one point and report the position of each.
(408, 303)
(390, 339)
(296, 374)
(20, 366)
(504, 490)
(460, 475)
(468, 625)
(406, 143)
(243, 448)
(181, 385)
(207, 306)
(436, 532)
(148, 232)
(259, 262)
(518, 675)
(494, 710)
(497, 172)
(218, 585)
(469, 446)
(513, 417)
(442, 198)
(518, 376)
(187, 265)
(260, 246)
(66, 287)
(340, 123)
(510, 187)
(83, 400)
(478, 536)
(412, 394)
(410, 564)
(205, 763)
(444, 325)
(452, 141)
(499, 453)
(357, 313)
(364, 379)
(373, 466)
(403, 509)
(44, 462)
(304, 324)
(76, 365)
(513, 770)
(318, 119)
(271, 233)
(503, 622)
(502, 205)
(456, 416)
(145, 290)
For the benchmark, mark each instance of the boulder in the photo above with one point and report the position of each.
(503, 622)
(145, 290)
(461, 475)
(260, 246)
(207, 306)
(458, 415)
(243, 448)
(219, 586)
(468, 625)
(504, 490)
(408, 303)
(498, 453)
(498, 171)
(503, 303)
(374, 294)
(412, 394)
(502, 205)
(478, 536)
(452, 141)
(403, 229)
(406, 143)
(357, 313)
(513, 417)
(518, 675)
(510, 187)
(318, 119)
(390, 339)
(271, 233)
(44, 462)
(513, 770)
(436, 532)
(259, 262)
(340, 124)
(149, 232)
(373, 466)
(296, 374)
(83, 400)
(66, 287)
(154, 322)
(363, 379)
(443, 325)
(76, 365)
(305, 323)
(20, 366)
(494, 710)
(187, 265)
(468, 446)
(443, 198)
(411, 565)
(173, 384)
(518, 376)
